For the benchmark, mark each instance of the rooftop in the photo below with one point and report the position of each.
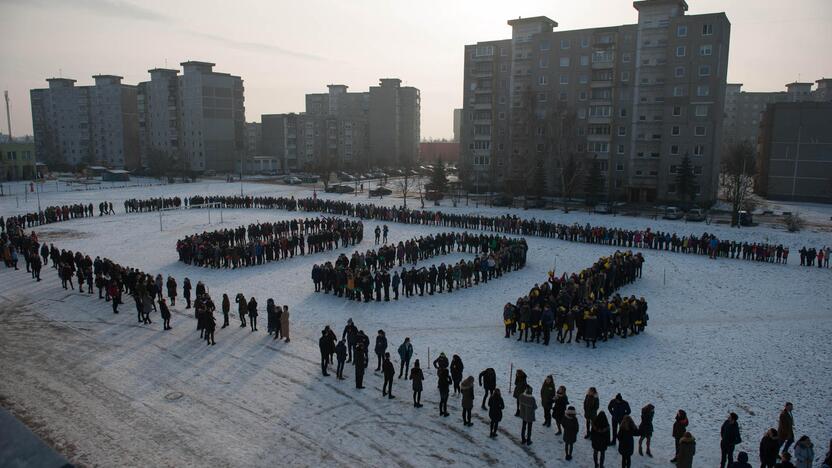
(533, 19)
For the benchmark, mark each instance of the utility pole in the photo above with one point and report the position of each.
(241, 176)
(8, 115)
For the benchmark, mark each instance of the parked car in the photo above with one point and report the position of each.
(671, 212)
(746, 219)
(603, 208)
(695, 214)
(379, 191)
(292, 180)
(344, 177)
(339, 188)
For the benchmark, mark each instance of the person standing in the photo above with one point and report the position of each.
(165, 313)
(186, 290)
(341, 357)
(618, 408)
(645, 429)
(323, 345)
(284, 323)
(467, 390)
(444, 384)
(210, 324)
(226, 308)
(405, 353)
(519, 387)
(680, 425)
(242, 308)
(785, 427)
(687, 449)
(495, 411)
(528, 406)
(570, 431)
(600, 438)
(591, 405)
(547, 399)
(380, 348)
(804, 451)
(769, 449)
(626, 431)
(389, 372)
(456, 371)
(559, 410)
(729, 438)
(488, 381)
(417, 377)
(171, 285)
(360, 358)
(252, 313)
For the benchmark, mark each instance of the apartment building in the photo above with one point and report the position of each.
(254, 139)
(283, 138)
(159, 117)
(633, 99)
(94, 125)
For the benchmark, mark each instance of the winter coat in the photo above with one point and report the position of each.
(495, 408)
(164, 311)
(519, 384)
(341, 352)
(527, 407)
(570, 429)
(381, 344)
(679, 428)
(804, 454)
(600, 438)
(405, 351)
(443, 380)
(417, 377)
(769, 449)
(785, 427)
(645, 429)
(687, 449)
(467, 388)
(730, 434)
(561, 402)
(488, 379)
(547, 394)
(456, 369)
(388, 369)
(284, 323)
(591, 404)
(618, 409)
(625, 441)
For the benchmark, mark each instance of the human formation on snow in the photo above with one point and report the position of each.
(358, 276)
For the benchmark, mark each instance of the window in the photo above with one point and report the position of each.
(705, 70)
(503, 52)
(598, 147)
(680, 51)
(625, 76)
(625, 57)
(584, 60)
(581, 113)
(674, 149)
(707, 29)
(540, 147)
(706, 50)
(600, 111)
(701, 111)
(564, 79)
(583, 79)
(697, 170)
(484, 51)
(501, 99)
(619, 167)
(682, 30)
(501, 115)
(678, 91)
(541, 80)
(703, 90)
(622, 131)
(699, 131)
(675, 130)
(699, 150)
(584, 42)
(544, 62)
(582, 96)
(679, 72)
(623, 112)
(562, 96)
(564, 61)
(544, 45)
(620, 149)
(564, 44)
(677, 111)
(541, 97)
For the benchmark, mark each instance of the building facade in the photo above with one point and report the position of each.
(794, 152)
(433, 151)
(95, 124)
(17, 161)
(254, 139)
(283, 139)
(632, 99)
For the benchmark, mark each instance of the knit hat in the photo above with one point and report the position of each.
(571, 411)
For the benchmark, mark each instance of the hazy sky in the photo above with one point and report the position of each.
(284, 49)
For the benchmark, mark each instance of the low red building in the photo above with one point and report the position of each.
(430, 151)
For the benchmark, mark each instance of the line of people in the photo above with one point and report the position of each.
(615, 427)
(585, 303)
(358, 276)
(56, 214)
(266, 242)
(812, 256)
(135, 205)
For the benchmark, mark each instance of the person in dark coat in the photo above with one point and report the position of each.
(252, 313)
(440, 362)
(618, 408)
(519, 387)
(729, 438)
(742, 461)
(360, 359)
(528, 406)
(769, 448)
(785, 427)
(626, 443)
(600, 438)
(417, 377)
(559, 409)
(405, 353)
(341, 357)
(323, 345)
(547, 399)
(242, 308)
(645, 429)
(380, 348)
(570, 431)
(210, 325)
(444, 384)
(591, 405)
(687, 449)
(171, 285)
(389, 372)
(350, 334)
(186, 291)
(488, 381)
(165, 313)
(680, 425)
(495, 411)
(467, 390)
(226, 308)
(456, 371)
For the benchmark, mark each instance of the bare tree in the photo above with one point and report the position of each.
(406, 183)
(737, 177)
(562, 144)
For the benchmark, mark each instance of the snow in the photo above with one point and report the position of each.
(724, 336)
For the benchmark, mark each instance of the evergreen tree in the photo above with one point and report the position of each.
(593, 184)
(439, 177)
(685, 181)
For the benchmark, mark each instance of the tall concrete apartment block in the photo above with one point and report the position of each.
(197, 117)
(394, 117)
(283, 138)
(336, 127)
(634, 99)
(95, 124)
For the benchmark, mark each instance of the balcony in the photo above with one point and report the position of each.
(482, 73)
(603, 65)
(599, 120)
(600, 83)
(482, 105)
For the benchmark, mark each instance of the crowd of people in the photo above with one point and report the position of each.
(115, 283)
(358, 276)
(585, 303)
(260, 243)
(615, 427)
(705, 244)
(135, 205)
(56, 214)
(812, 256)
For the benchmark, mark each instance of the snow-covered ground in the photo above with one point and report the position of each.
(724, 336)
